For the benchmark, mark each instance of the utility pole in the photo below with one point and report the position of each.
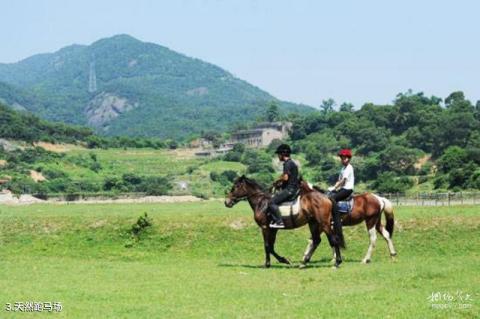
(92, 79)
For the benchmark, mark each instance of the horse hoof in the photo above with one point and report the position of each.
(286, 261)
(393, 255)
(366, 261)
(266, 266)
(302, 266)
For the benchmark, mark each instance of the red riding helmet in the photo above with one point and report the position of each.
(345, 152)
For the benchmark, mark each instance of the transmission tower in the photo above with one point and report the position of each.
(92, 80)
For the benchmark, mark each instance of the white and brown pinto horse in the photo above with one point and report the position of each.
(369, 207)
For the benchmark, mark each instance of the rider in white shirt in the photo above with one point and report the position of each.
(343, 188)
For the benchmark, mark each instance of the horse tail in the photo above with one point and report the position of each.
(388, 210)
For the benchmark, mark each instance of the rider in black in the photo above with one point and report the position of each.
(288, 182)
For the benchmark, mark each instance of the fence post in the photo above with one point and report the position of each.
(448, 195)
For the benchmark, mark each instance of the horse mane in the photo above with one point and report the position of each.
(315, 187)
(253, 183)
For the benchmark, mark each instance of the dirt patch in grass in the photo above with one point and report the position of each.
(57, 148)
(37, 176)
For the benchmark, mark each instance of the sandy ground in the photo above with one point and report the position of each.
(7, 198)
(422, 161)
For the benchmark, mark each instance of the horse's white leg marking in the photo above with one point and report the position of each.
(334, 254)
(373, 241)
(386, 235)
(308, 251)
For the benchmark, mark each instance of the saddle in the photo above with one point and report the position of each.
(290, 208)
(345, 206)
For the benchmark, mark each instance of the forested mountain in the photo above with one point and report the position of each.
(123, 86)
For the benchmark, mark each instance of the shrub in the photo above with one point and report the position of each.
(155, 185)
(388, 183)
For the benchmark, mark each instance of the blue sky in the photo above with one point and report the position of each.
(301, 51)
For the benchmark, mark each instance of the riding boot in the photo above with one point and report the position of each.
(337, 220)
(276, 216)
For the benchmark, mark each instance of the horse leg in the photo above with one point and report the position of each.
(386, 235)
(266, 245)
(312, 243)
(331, 239)
(271, 243)
(373, 239)
(332, 245)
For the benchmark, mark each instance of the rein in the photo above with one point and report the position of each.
(238, 199)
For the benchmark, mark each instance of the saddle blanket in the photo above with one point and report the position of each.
(290, 208)
(345, 207)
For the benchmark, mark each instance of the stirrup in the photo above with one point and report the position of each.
(277, 225)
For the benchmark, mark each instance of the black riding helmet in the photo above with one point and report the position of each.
(283, 149)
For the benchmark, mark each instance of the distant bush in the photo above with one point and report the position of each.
(225, 178)
(235, 155)
(22, 185)
(155, 185)
(389, 183)
(51, 173)
(257, 161)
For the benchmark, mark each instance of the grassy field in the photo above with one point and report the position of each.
(202, 260)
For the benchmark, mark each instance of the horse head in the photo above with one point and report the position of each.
(239, 191)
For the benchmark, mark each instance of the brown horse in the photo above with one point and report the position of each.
(369, 207)
(315, 211)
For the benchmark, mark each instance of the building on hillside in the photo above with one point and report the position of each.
(262, 134)
(200, 143)
(212, 152)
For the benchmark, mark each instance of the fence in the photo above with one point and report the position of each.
(433, 199)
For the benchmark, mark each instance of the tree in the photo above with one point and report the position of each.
(388, 183)
(346, 107)
(399, 159)
(327, 106)
(454, 97)
(454, 157)
(272, 113)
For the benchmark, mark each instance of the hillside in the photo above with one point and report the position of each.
(29, 128)
(139, 88)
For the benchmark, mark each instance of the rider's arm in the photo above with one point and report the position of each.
(279, 182)
(340, 183)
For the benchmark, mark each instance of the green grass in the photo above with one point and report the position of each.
(179, 165)
(140, 161)
(193, 263)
